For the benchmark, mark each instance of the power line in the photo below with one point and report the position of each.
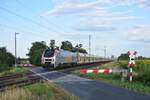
(22, 31)
(43, 18)
(24, 18)
(16, 28)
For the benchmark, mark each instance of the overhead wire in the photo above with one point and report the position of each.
(24, 18)
(16, 28)
(43, 18)
(22, 31)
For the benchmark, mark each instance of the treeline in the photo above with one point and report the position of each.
(66, 45)
(124, 56)
(6, 59)
(37, 48)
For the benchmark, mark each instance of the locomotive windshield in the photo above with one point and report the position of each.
(49, 52)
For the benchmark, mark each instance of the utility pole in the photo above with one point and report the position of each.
(89, 47)
(16, 49)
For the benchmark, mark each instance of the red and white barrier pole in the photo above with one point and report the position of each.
(96, 71)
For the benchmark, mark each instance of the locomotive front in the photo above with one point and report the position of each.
(48, 58)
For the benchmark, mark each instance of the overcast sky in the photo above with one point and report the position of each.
(120, 25)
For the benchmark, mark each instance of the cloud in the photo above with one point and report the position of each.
(101, 23)
(144, 3)
(94, 28)
(96, 14)
(139, 3)
(139, 33)
(94, 25)
(79, 6)
(73, 7)
(121, 18)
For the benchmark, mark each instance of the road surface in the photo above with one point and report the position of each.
(87, 89)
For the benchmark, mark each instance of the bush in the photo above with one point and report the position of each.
(141, 66)
(142, 69)
(3, 67)
(123, 64)
(6, 59)
(144, 77)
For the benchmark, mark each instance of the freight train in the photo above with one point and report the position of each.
(54, 58)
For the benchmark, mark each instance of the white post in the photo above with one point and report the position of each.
(131, 75)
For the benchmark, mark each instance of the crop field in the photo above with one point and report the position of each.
(139, 63)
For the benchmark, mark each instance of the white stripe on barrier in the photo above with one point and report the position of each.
(89, 71)
(96, 71)
(101, 71)
(110, 71)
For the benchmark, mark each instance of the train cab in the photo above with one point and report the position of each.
(48, 57)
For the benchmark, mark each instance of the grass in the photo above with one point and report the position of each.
(38, 91)
(13, 71)
(115, 79)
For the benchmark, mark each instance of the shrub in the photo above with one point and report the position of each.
(123, 64)
(142, 69)
(3, 67)
(144, 77)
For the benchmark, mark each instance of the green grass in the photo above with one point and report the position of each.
(142, 70)
(140, 82)
(50, 91)
(116, 81)
(13, 71)
(38, 91)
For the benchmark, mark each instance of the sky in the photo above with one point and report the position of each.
(118, 25)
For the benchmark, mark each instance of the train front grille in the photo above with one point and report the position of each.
(48, 60)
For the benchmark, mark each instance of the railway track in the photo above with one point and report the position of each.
(23, 79)
(18, 80)
(15, 75)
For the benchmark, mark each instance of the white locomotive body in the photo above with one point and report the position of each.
(57, 58)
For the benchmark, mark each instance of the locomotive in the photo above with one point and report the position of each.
(54, 58)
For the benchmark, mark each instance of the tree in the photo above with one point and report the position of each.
(123, 56)
(6, 59)
(78, 48)
(66, 45)
(35, 52)
(52, 44)
(81, 50)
